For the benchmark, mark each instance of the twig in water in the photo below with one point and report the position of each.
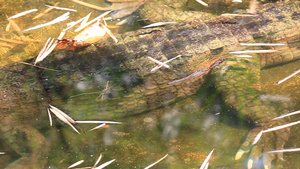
(293, 74)
(76, 164)
(286, 115)
(205, 162)
(151, 165)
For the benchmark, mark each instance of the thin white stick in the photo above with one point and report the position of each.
(86, 18)
(285, 150)
(62, 118)
(50, 118)
(253, 51)
(54, 21)
(207, 159)
(286, 115)
(202, 3)
(282, 126)
(98, 160)
(237, 15)
(273, 129)
(159, 66)
(151, 165)
(105, 164)
(97, 127)
(21, 14)
(73, 24)
(2, 152)
(93, 122)
(63, 114)
(243, 56)
(76, 164)
(158, 62)
(159, 24)
(262, 44)
(293, 74)
(257, 137)
(38, 58)
(92, 21)
(61, 8)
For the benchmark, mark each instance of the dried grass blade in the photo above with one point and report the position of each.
(293, 74)
(6, 45)
(158, 62)
(39, 66)
(151, 165)
(92, 21)
(206, 166)
(44, 12)
(95, 122)
(11, 41)
(207, 159)
(281, 127)
(262, 44)
(17, 29)
(238, 15)
(22, 14)
(85, 19)
(157, 24)
(258, 136)
(98, 160)
(286, 115)
(87, 4)
(285, 150)
(63, 114)
(243, 56)
(50, 118)
(46, 46)
(61, 8)
(7, 28)
(105, 164)
(97, 127)
(159, 66)
(76, 164)
(253, 51)
(202, 3)
(62, 118)
(110, 34)
(54, 21)
(72, 24)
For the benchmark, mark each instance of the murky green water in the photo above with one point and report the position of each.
(186, 130)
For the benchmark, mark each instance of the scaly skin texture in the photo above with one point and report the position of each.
(134, 89)
(17, 123)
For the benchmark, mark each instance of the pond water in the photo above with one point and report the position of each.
(187, 129)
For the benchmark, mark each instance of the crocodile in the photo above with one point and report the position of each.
(135, 90)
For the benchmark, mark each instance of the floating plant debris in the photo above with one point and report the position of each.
(262, 44)
(205, 162)
(22, 13)
(293, 74)
(61, 8)
(285, 150)
(159, 66)
(253, 51)
(157, 24)
(202, 3)
(54, 21)
(158, 62)
(286, 115)
(76, 164)
(44, 12)
(151, 165)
